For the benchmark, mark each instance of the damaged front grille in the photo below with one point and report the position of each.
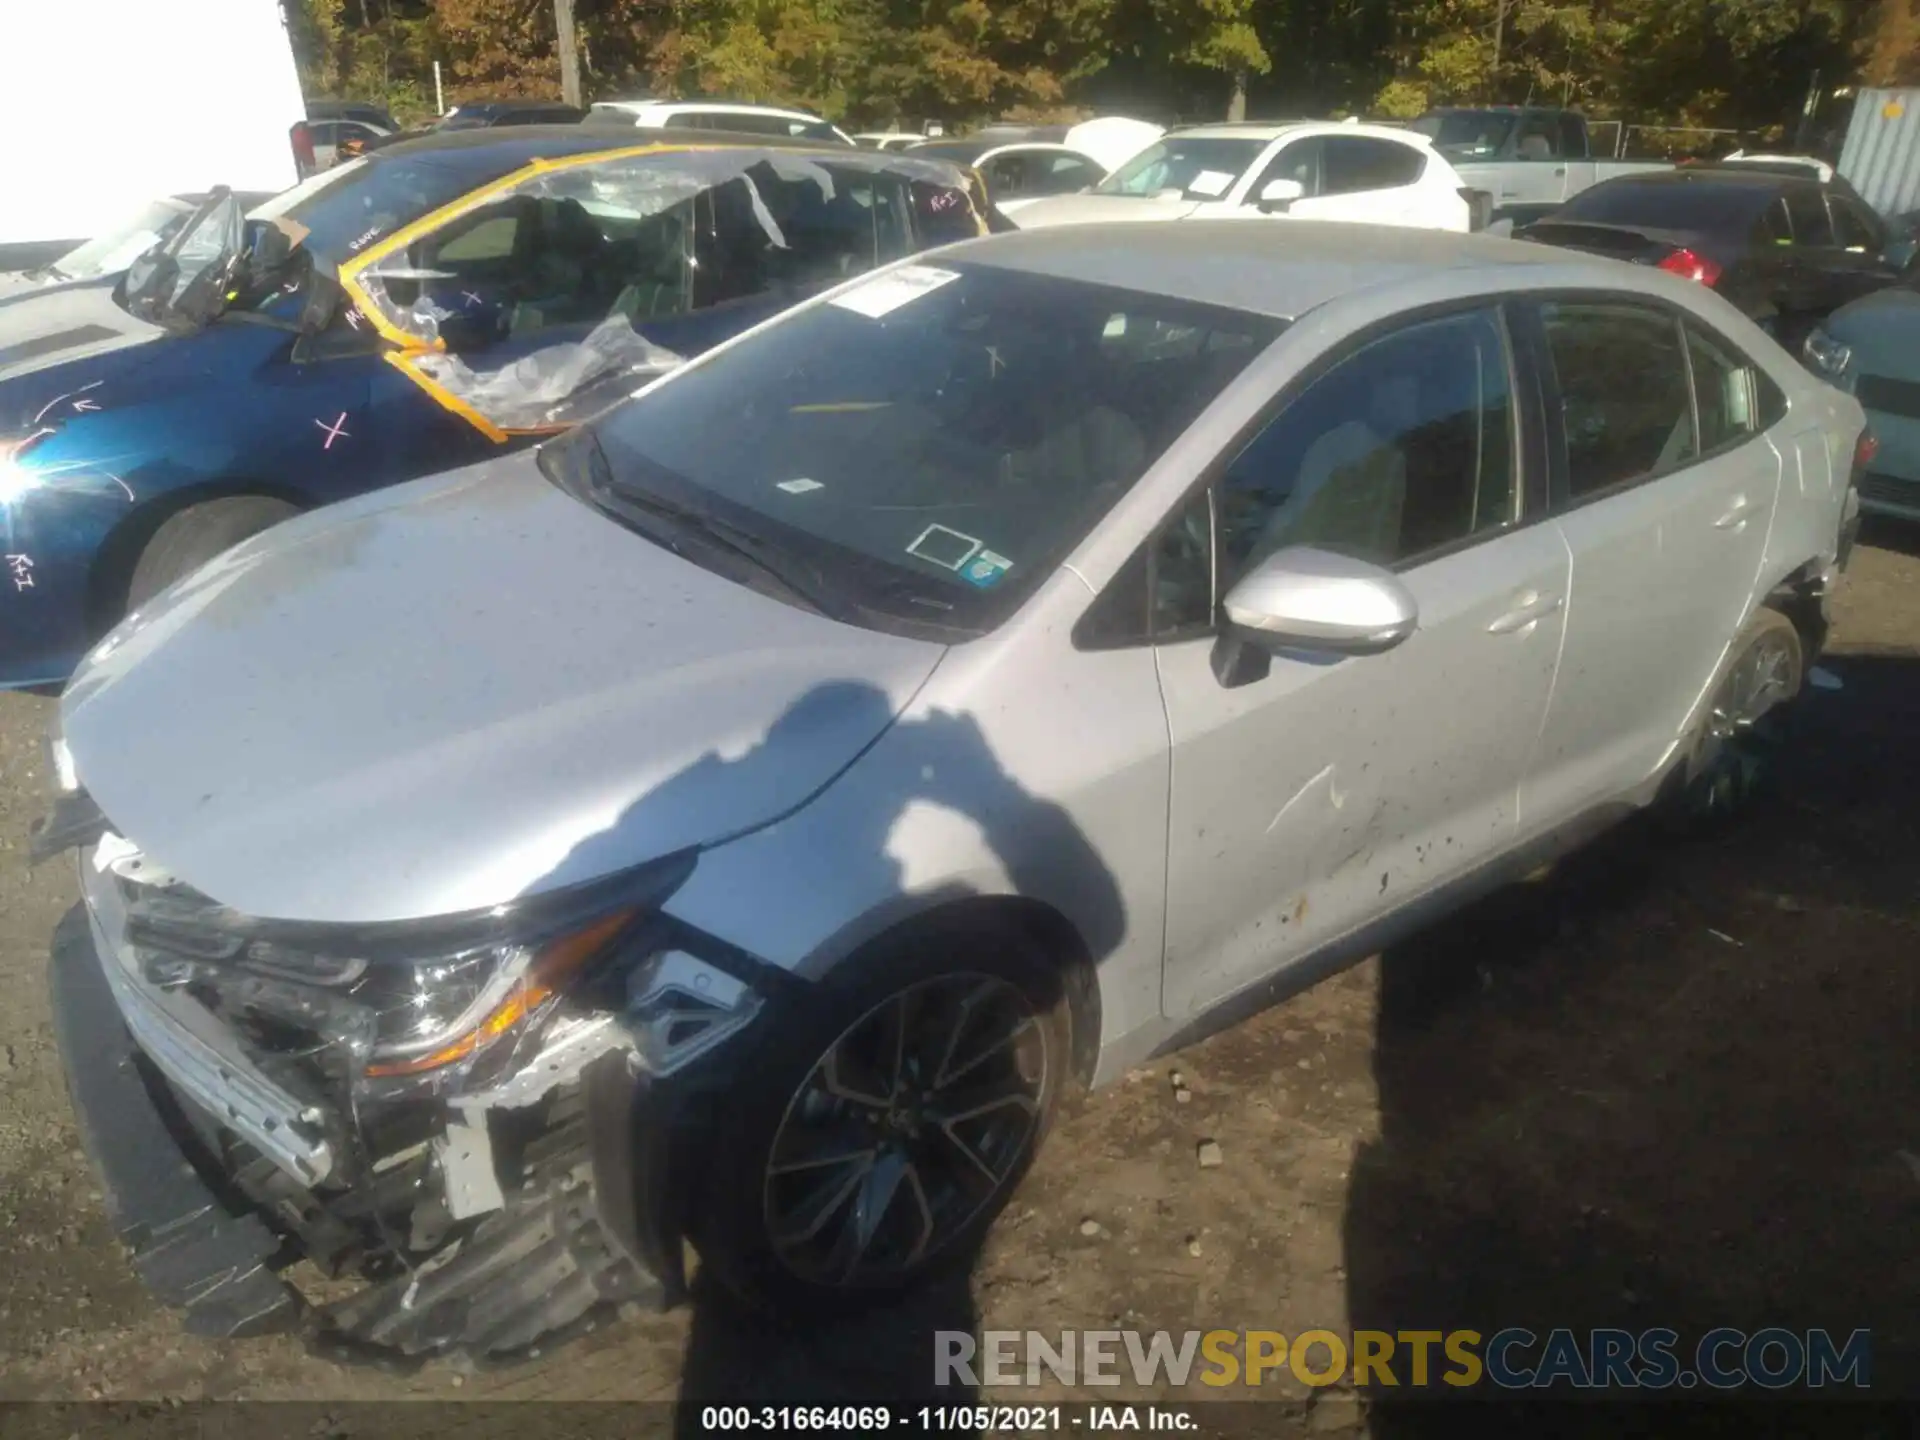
(468, 1212)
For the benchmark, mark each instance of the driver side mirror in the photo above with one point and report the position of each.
(1277, 196)
(1308, 599)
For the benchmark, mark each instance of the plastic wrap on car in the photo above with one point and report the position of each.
(564, 383)
(560, 385)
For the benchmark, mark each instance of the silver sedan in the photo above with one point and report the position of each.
(741, 818)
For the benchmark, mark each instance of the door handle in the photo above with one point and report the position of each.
(1533, 606)
(1737, 513)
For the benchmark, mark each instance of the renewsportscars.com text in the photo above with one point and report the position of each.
(1513, 1358)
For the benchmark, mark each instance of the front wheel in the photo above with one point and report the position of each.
(188, 540)
(874, 1141)
(1741, 734)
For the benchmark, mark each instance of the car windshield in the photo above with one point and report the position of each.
(341, 211)
(1198, 166)
(920, 451)
(115, 249)
(1661, 204)
(1466, 132)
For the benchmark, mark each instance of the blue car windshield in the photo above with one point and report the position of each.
(341, 211)
(932, 442)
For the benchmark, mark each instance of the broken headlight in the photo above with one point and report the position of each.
(414, 1002)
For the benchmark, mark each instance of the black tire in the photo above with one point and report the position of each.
(733, 1230)
(186, 541)
(1731, 759)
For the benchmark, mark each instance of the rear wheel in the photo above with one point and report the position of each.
(1743, 730)
(186, 541)
(875, 1147)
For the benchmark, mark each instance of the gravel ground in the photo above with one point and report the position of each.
(1670, 1084)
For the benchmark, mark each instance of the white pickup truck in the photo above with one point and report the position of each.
(1527, 161)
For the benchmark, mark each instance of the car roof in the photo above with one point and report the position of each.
(1282, 270)
(523, 144)
(724, 107)
(1274, 129)
(1753, 177)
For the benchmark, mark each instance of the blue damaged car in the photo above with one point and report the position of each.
(408, 312)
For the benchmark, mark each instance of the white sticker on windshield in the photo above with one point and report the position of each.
(1210, 183)
(799, 487)
(946, 548)
(886, 293)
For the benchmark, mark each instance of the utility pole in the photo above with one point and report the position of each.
(569, 51)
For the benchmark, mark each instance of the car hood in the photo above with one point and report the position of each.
(1097, 209)
(456, 692)
(42, 328)
(1882, 331)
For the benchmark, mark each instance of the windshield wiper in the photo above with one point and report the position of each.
(576, 462)
(733, 539)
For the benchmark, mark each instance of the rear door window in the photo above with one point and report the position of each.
(1854, 227)
(1064, 174)
(1723, 391)
(1625, 404)
(1807, 213)
(1353, 163)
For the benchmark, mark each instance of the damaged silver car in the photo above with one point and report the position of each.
(731, 827)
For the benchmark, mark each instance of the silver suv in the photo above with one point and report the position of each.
(739, 820)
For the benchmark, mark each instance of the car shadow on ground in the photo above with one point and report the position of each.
(1671, 1085)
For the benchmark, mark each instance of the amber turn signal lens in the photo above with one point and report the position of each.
(558, 962)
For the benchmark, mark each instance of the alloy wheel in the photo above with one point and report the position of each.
(912, 1122)
(1729, 763)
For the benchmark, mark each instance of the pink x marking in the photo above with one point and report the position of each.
(335, 431)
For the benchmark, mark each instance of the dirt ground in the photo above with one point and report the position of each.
(1672, 1084)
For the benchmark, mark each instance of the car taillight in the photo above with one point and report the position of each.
(302, 139)
(1689, 266)
(1865, 451)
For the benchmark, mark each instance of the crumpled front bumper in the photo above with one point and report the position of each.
(195, 1249)
(593, 1221)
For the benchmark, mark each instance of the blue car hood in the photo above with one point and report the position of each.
(448, 694)
(1883, 331)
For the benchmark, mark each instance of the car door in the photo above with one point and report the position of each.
(1367, 181)
(1315, 792)
(1537, 176)
(1808, 281)
(1664, 488)
(1859, 265)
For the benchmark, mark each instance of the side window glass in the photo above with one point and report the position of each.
(1006, 175)
(1722, 389)
(1855, 231)
(1573, 137)
(1536, 140)
(1624, 400)
(1181, 569)
(1771, 399)
(1066, 174)
(1774, 228)
(1401, 449)
(770, 233)
(1353, 164)
(1299, 161)
(1807, 213)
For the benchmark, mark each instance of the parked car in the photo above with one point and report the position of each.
(887, 139)
(490, 287)
(1871, 350)
(487, 114)
(1785, 249)
(1020, 173)
(115, 248)
(1526, 160)
(337, 130)
(714, 115)
(1065, 646)
(1304, 169)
